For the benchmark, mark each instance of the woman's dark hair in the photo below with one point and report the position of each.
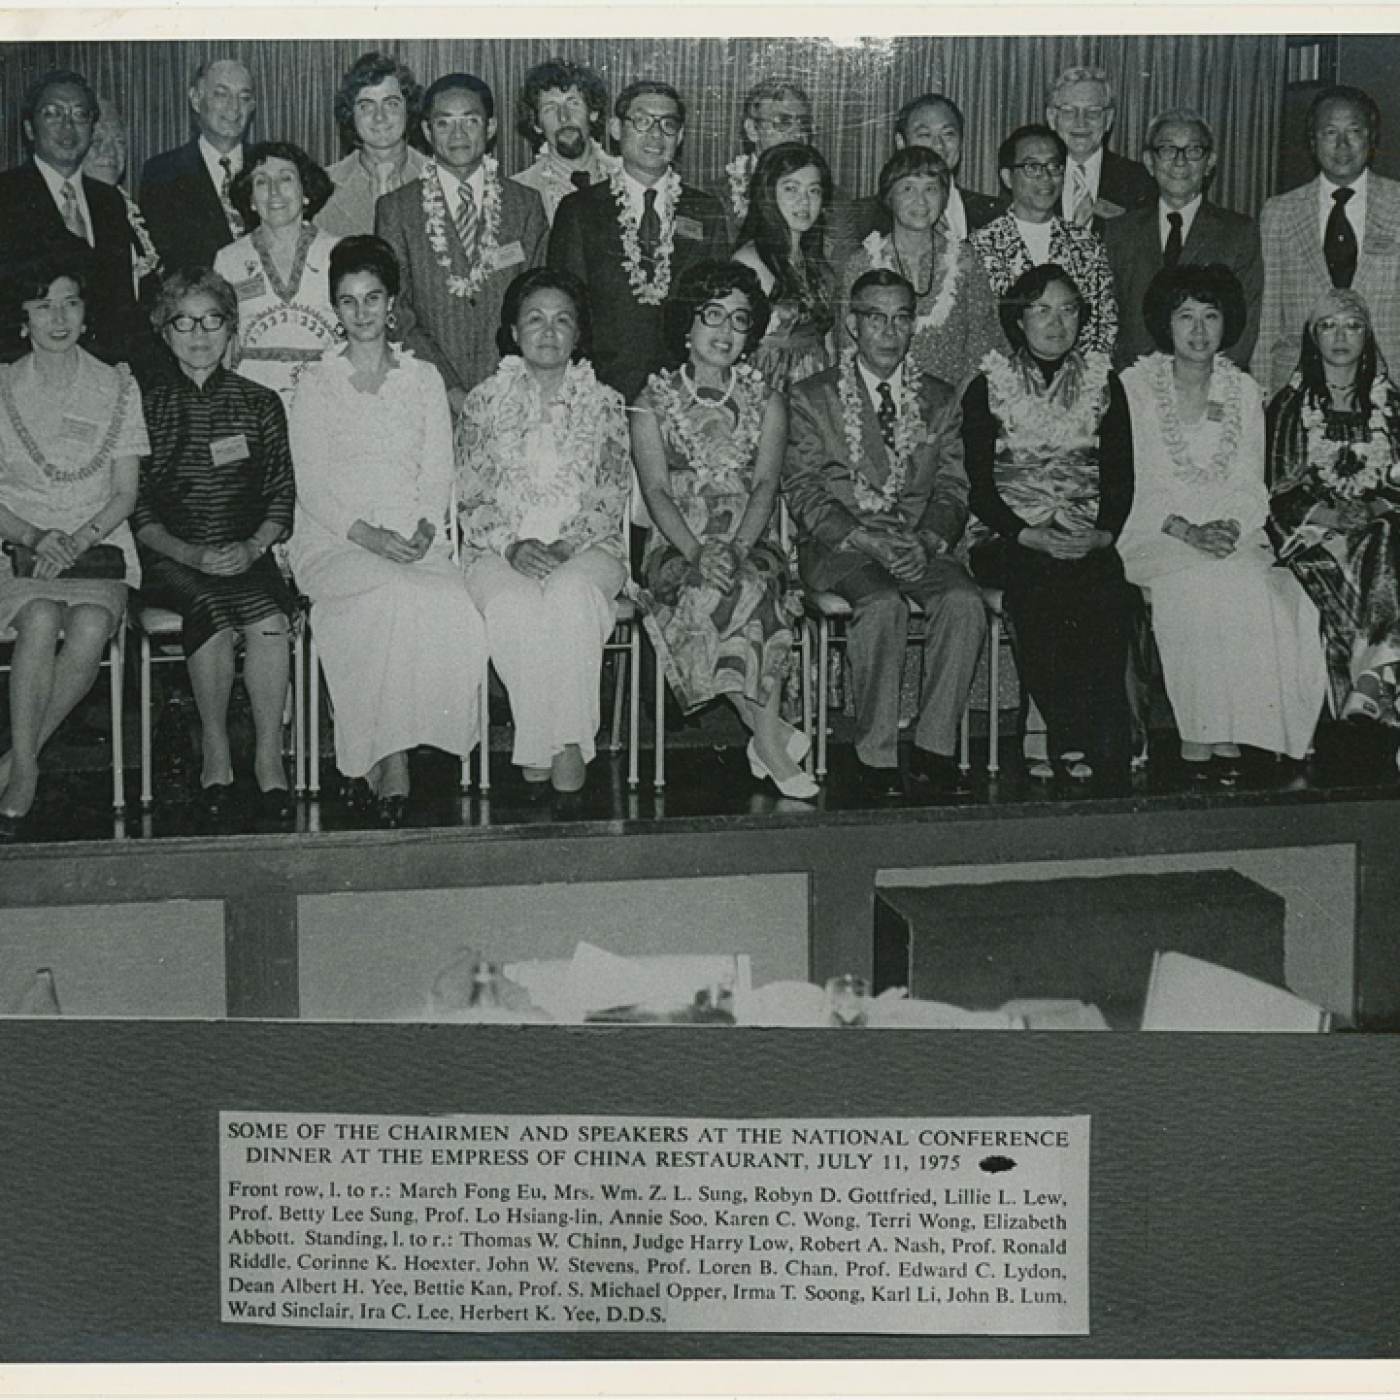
(316, 186)
(1313, 370)
(913, 160)
(1212, 284)
(712, 280)
(765, 227)
(31, 280)
(186, 281)
(538, 279)
(363, 252)
(369, 70)
(1029, 287)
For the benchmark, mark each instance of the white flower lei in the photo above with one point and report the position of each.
(668, 189)
(1227, 375)
(880, 248)
(1026, 425)
(435, 213)
(149, 259)
(1372, 461)
(740, 172)
(908, 434)
(724, 467)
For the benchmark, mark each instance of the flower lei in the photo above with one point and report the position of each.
(740, 172)
(723, 466)
(880, 249)
(126, 386)
(149, 259)
(668, 188)
(1028, 422)
(435, 215)
(1224, 372)
(908, 434)
(1351, 470)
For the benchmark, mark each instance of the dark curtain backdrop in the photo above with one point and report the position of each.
(1235, 80)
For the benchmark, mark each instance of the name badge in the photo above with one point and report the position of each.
(686, 227)
(225, 451)
(78, 429)
(507, 255)
(250, 287)
(1215, 412)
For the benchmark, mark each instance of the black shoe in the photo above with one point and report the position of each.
(12, 826)
(216, 799)
(358, 795)
(936, 771)
(881, 784)
(273, 804)
(390, 810)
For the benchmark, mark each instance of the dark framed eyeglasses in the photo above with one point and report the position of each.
(1190, 154)
(642, 122)
(714, 315)
(1034, 169)
(210, 321)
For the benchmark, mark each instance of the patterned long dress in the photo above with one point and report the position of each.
(715, 643)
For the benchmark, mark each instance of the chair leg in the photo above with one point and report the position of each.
(634, 698)
(146, 794)
(659, 777)
(484, 746)
(806, 660)
(619, 681)
(313, 700)
(299, 711)
(823, 704)
(993, 696)
(965, 740)
(116, 664)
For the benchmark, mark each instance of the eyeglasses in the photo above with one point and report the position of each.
(785, 121)
(881, 321)
(1088, 114)
(473, 121)
(210, 321)
(642, 122)
(1171, 154)
(1034, 169)
(714, 315)
(1042, 313)
(55, 113)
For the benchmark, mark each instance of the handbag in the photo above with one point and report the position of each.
(99, 561)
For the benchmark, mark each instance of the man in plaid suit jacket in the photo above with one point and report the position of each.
(1299, 228)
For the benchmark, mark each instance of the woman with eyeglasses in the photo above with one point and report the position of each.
(1050, 461)
(1334, 462)
(955, 320)
(708, 440)
(1238, 637)
(784, 241)
(216, 494)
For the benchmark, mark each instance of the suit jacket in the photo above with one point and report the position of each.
(1135, 256)
(1295, 274)
(628, 335)
(456, 335)
(30, 224)
(817, 481)
(182, 209)
(1125, 184)
(858, 218)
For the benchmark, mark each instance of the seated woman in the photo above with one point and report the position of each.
(1334, 464)
(955, 321)
(1050, 463)
(216, 495)
(71, 436)
(784, 241)
(402, 646)
(1238, 637)
(708, 440)
(545, 471)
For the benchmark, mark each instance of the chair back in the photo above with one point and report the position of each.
(1189, 994)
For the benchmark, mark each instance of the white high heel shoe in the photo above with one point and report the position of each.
(801, 786)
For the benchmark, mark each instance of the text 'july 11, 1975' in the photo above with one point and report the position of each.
(547, 1223)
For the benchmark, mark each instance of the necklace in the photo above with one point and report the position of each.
(262, 246)
(125, 388)
(919, 292)
(1224, 375)
(693, 389)
(740, 172)
(722, 462)
(148, 259)
(1347, 469)
(435, 219)
(882, 253)
(908, 434)
(649, 291)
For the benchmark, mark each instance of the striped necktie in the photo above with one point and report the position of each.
(1083, 210)
(466, 222)
(73, 219)
(231, 214)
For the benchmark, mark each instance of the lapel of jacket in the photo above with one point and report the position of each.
(109, 225)
(1303, 229)
(202, 187)
(1381, 239)
(1202, 236)
(40, 206)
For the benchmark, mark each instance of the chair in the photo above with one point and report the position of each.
(1188, 994)
(161, 625)
(115, 662)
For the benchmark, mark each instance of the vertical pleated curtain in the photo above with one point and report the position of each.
(1000, 82)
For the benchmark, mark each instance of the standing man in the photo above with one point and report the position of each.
(563, 108)
(875, 481)
(184, 193)
(1099, 185)
(1182, 226)
(628, 238)
(461, 235)
(1340, 230)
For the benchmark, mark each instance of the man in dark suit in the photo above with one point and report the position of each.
(1099, 185)
(935, 122)
(184, 192)
(628, 238)
(462, 234)
(1180, 226)
(48, 206)
(875, 481)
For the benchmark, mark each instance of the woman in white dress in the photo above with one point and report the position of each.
(278, 268)
(545, 471)
(1239, 638)
(402, 646)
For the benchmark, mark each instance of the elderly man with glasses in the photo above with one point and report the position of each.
(1181, 226)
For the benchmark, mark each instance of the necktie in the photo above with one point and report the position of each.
(885, 413)
(235, 221)
(1083, 199)
(1171, 254)
(1339, 242)
(72, 215)
(580, 179)
(467, 222)
(649, 232)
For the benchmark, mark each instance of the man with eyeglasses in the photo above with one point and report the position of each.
(1182, 226)
(48, 205)
(562, 110)
(1341, 229)
(1031, 233)
(184, 192)
(628, 238)
(461, 234)
(874, 479)
(1099, 185)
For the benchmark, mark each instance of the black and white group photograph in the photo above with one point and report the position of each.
(544, 579)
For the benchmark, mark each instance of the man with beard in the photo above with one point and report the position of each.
(562, 109)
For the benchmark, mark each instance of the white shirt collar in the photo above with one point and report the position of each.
(636, 191)
(212, 156)
(55, 180)
(452, 185)
(872, 381)
(1355, 206)
(1188, 214)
